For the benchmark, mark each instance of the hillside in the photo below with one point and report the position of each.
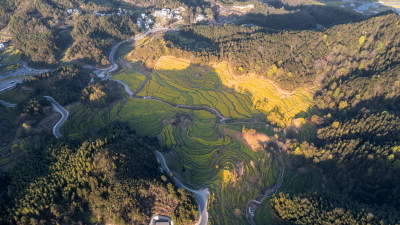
(113, 178)
(278, 112)
(339, 109)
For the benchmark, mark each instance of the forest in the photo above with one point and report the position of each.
(290, 58)
(111, 178)
(356, 146)
(42, 30)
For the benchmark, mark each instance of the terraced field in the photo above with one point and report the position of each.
(204, 153)
(148, 117)
(133, 79)
(279, 105)
(200, 150)
(178, 82)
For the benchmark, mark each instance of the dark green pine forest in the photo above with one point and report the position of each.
(111, 178)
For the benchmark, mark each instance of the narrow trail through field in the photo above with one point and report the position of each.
(253, 204)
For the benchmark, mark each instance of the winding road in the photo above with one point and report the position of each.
(200, 195)
(64, 116)
(103, 73)
(19, 75)
(6, 104)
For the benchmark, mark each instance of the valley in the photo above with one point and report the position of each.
(224, 112)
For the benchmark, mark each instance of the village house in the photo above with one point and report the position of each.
(73, 11)
(167, 14)
(200, 17)
(2, 45)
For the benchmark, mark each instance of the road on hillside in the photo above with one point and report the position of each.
(160, 217)
(200, 195)
(6, 104)
(102, 73)
(23, 72)
(64, 116)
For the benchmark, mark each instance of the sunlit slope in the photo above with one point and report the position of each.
(266, 96)
(179, 82)
(132, 79)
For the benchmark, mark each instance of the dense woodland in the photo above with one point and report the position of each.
(112, 178)
(91, 36)
(327, 209)
(357, 140)
(41, 30)
(357, 144)
(292, 59)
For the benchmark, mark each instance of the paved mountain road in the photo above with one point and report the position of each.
(6, 104)
(200, 195)
(64, 116)
(22, 73)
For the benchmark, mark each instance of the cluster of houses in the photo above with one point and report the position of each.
(73, 11)
(120, 12)
(144, 21)
(167, 14)
(200, 17)
(3, 45)
(123, 12)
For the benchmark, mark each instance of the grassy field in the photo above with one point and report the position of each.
(179, 82)
(15, 96)
(203, 153)
(280, 105)
(263, 214)
(10, 56)
(132, 79)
